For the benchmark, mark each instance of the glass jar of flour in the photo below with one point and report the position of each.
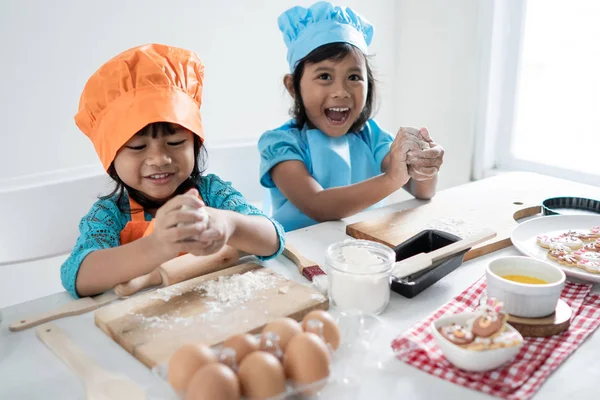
(359, 273)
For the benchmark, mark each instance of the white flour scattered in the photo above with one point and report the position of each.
(164, 322)
(230, 291)
(223, 293)
(166, 294)
(284, 289)
(456, 227)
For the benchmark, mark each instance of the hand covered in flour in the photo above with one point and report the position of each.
(217, 233)
(425, 161)
(179, 223)
(397, 168)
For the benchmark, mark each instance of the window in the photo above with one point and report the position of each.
(542, 97)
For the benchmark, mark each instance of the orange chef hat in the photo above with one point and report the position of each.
(146, 84)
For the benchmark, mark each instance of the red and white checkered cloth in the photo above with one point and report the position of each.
(534, 363)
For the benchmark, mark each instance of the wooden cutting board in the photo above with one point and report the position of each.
(496, 203)
(153, 325)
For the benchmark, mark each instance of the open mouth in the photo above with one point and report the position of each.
(159, 178)
(337, 115)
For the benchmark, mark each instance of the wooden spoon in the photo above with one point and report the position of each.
(100, 384)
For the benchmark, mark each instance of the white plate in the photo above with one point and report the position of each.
(524, 237)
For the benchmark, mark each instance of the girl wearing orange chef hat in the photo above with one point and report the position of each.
(141, 110)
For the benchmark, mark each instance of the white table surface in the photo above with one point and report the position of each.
(29, 370)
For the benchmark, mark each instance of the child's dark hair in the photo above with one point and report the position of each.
(332, 51)
(154, 129)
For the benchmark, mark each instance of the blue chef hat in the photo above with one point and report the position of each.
(305, 29)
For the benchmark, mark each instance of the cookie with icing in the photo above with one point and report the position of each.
(594, 246)
(570, 241)
(558, 250)
(584, 254)
(487, 325)
(590, 236)
(590, 266)
(457, 334)
(569, 260)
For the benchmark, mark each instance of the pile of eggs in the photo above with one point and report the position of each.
(259, 366)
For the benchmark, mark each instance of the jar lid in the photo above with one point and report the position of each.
(360, 257)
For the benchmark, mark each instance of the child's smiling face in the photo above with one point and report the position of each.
(157, 163)
(334, 92)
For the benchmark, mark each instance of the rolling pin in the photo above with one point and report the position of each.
(180, 269)
(176, 270)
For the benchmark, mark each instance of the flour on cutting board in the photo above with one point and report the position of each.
(454, 226)
(230, 291)
(166, 321)
(166, 294)
(223, 293)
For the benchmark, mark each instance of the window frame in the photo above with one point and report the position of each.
(501, 30)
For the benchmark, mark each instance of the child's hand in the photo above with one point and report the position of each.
(402, 144)
(424, 163)
(215, 236)
(178, 223)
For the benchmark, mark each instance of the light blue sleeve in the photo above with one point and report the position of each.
(378, 139)
(220, 194)
(99, 229)
(277, 146)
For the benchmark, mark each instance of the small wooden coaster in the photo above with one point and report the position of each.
(553, 324)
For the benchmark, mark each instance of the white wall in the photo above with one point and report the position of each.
(425, 61)
(50, 48)
(436, 82)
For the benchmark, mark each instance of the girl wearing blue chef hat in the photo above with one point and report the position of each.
(332, 160)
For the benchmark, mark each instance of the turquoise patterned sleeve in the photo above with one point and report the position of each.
(220, 194)
(99, 229)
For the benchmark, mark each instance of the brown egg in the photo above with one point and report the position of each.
(213, 382)
(306, 360)
(261, 376)
(186, 361)
(243, 344)
(269, 342)
(331, 332)
(285, 328)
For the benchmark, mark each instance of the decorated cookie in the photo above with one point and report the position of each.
(569, 260)
(592, 235)
(590, 266)
(584, 236)
(558, 250)
(569, 241)
(490, 319)
(487, 325)
(587, 255)
(457, 334)
(507, 339)
(488, 330)
(594, 246)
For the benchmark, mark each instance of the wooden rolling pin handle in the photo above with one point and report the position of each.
(152, 279)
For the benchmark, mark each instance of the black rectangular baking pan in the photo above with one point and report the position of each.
(425, 242)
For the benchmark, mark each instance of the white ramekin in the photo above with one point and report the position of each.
(522, 299)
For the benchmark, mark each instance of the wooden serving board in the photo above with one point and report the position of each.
(496, 203)
(551, 325)
(153, 325)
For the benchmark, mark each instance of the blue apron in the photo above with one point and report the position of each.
(334, 162)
